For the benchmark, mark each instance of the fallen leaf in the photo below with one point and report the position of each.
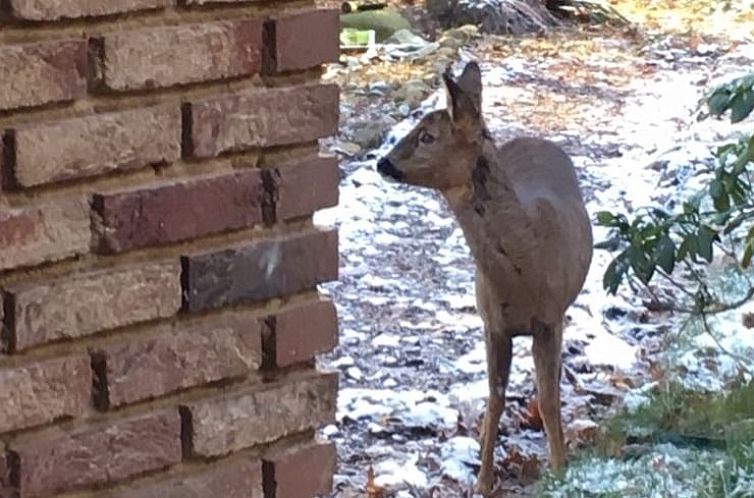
(582, 431)
(525, 466)
(622, 381)
(373, 490)
(656, 373)
(532, 417)
(604, 395)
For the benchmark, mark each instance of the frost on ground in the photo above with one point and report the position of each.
(663, 471)
(411, 356)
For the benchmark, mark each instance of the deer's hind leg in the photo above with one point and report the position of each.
(546, 351)
(499, 351)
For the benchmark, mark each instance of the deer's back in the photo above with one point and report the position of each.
(540, 169)
(545, 181)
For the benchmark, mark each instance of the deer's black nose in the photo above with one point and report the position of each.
(386, 168)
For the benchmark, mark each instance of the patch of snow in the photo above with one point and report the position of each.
(375, 428)
(342, 362)
(330, 430)
(473, 392)
(607, 349)
(460, 301)
(430, 414)
(602, 346)
(390, 383)
(386, 341)
(391, 473)
(409, 408)
(636, 398)
(460, 455)
(473, 362)
(355, 373)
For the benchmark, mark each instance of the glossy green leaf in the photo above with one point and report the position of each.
(746, 258)
(610, 244)
(641, 265)
(664, 254)
(718, 102)
(734, 223)
(605, 218)
(719, 194)
(687, 248)
(614, 274)
(705, 238)
(716, 188)
(741, 105)
(748, 248)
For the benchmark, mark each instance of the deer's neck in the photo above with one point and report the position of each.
(494, 222)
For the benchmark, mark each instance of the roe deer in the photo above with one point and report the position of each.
(523, 216)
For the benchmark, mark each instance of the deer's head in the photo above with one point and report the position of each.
(441, 151)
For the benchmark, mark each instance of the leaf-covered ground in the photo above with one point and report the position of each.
(621, 103)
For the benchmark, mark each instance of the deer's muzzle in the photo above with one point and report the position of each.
(386, 168)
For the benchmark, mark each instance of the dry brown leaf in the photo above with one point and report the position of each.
(373, 490)
(526, 466)
(581, 432)
(532, 417)
(694, 40)
(622, 381)
(656, 373)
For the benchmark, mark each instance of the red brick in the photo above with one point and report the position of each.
(305, 40)
(98, 144)
(235, 479)
(98, 454)
(305, 188)
(260, 271)
(53, 10)
(5, 491)
(3, 166)
(179, 55)
(210, 2)
(182, 356)
(263, 118)
(4, 334)
(34, 74)
(44, 232)
(299, 334)
(180, 211)
(230, 423)
(41, 392)
(83, 304)
(301, 472)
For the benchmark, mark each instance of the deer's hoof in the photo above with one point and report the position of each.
(558, 466)
(484, 485)
(558, 461)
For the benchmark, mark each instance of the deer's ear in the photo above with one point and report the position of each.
(464, 113)
(471, 83)
(447, 78)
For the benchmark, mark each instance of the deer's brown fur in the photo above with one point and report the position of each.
(523, 216)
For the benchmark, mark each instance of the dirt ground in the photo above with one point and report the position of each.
(621, 103)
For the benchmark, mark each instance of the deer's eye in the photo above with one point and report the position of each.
(426, 138)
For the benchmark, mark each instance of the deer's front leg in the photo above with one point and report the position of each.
(499, 352)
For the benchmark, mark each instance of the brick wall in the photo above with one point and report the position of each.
(158, 263)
